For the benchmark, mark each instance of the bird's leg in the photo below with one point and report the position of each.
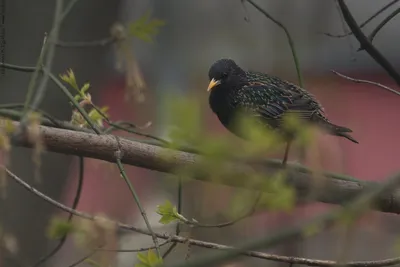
(286, 153)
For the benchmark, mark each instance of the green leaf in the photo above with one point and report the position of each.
(239, 204)
(84, 88)
(58, 228)
(77, 98)
(141, 257)
(312, 230)
(292, 123)
(168, 213)
(97, 116)
(280, 196)
(70, 79)
(153, 258)
(92, 263)
(9, 126)
(149, 260)
(145, 28)
(263, 139)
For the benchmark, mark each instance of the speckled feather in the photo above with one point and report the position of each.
(272, 97)
(265, 96)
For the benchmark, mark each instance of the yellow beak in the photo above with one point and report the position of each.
(212, 84)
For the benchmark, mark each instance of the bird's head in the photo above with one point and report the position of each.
(225, 72)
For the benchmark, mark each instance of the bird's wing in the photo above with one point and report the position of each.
(271, 99)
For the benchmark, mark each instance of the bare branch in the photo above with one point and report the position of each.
(102, 43)
(356, 208)
(118, 156)
(178, 225)
(335, 189)
(176, 238)
(135, 249)
(367, 82)
(74, 205)
(383, 23)
(229, 223)
(83, 258)
(288, 36)
(46, 58)
(366, 44)
(120, 125)
(362, 25)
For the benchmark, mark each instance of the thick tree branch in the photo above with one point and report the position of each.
(103, 147)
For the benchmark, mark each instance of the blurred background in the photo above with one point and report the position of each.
(196, 34)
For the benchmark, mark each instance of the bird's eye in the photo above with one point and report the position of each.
(224, 75)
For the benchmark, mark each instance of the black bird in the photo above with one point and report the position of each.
(267, 98)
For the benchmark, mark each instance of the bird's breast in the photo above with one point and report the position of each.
(223, 105)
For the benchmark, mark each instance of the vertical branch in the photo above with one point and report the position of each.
(118, 155)
(49, 48)
(290, 40)
(178, 225)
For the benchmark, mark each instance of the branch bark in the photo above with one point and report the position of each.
(104, 147)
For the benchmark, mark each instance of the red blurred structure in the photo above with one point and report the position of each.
(370, 111)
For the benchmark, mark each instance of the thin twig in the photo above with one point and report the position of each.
(382, 24)
(49, 48)
(21, 106)
(73, 101)
(178, 226)
(35, 75)
(366, 44)
(66, 11)
(367, 82)
(357, 207)
(365, 22)
(83, 258)
(113, 125)
(116, 125)
(48, 120)
(40, 92)
(229, 223)
(261, 255)
(14, 114)
(45, 120)
(290, 40)
(74, 205)
(118, 156)
(102, 42)
(62, 87)
(136, 249)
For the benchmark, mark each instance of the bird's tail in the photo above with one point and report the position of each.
(340, 131)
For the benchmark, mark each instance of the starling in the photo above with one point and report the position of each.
(264, 97)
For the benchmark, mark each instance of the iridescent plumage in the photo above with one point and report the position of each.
(267, 97)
